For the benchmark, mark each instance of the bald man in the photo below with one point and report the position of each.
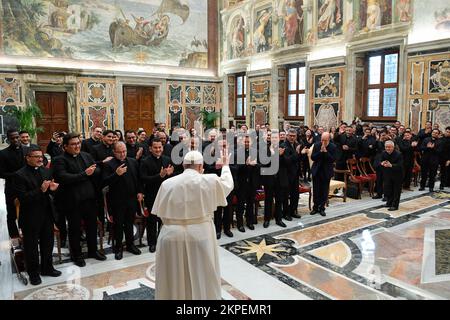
(324, 156)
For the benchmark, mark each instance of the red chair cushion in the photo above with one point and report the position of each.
(235, 201)
(304, 189)
(260, 196)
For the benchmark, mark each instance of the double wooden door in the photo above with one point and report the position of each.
(53, 106)
(139, 108)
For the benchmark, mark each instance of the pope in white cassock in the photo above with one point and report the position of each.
(187, 258)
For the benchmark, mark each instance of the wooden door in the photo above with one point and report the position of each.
(139, 108)
(54, 115)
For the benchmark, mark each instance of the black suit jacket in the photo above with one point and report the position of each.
(88, 145)
(75, 185)
(323, 161)
(396, 159)
(119, 189)
(292, 160)
(35, 205)
(150, 178)
(11, 160)
(100, 152)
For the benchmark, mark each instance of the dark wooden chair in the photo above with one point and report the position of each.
(356, 177)
(368, 171)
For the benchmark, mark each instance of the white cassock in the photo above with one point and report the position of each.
(187, 258)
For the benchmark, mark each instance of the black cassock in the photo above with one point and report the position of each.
(392, 177)
(36, 217)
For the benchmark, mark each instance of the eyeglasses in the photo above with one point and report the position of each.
(74, 144)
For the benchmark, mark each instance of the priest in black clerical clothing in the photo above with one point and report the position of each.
(293, 158)
(33, 185)
(134, 149)
(324, 156)
(431, 149)
(75, 171)
(96, 137)
(392, 165)
(121, 176)
(11, 160)
(154, 170)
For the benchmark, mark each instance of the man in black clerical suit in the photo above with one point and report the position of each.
(445, 160)
(96, 138)
(33, 185)
(54, 147)
(154, 170)
(347, 145)
(11, 159)
(292, 155)
(223, 215)
(275, 184)
(407, 147)
(134, 149)
(102, 152)
(431, 149)
(75, 171)
(392, 165)
(121, 176)
(247, 177)
(324, 156)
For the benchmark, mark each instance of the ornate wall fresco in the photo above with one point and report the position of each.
(262, 34)
(96, 104)
(11, 96)
(327, 96)
(290, 18)
(259, 100)
(154, 32)
(429, 90)
(185, 100)
(431, 21)
(330, 18)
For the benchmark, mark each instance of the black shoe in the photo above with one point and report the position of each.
(313, 212)
(288, 218)
(441, 187)
(218, 235)
(228, 233)
(251, 227)
(393, 209)
(266, 224)
(79, 262)
(35, 279)
(322, 213)
(422, 189)
(134, 250)
(51, 273)
(152, 248)
(118, 255)
(280, 223)
(241, 229)
(384, 199)
(63, 243)
(296, 216)
(377, 197)
(97, 256)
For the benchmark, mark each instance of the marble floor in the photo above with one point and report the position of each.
(359, 251)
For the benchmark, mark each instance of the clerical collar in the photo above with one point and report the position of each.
(32, 168)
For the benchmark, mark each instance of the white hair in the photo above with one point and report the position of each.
(389, 142)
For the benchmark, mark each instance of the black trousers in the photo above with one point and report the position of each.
(154, 225)
(246, 198)
(379, 183)
(392, 189)
(123, 217)
(293, 195)
(407, 174)
(445, 175)
(38, 237)
(429, 170)
(222, 217)
(11, 216)
(61, 223)
(86, 212)
(321, 189)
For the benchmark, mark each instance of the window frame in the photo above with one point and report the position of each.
(297, 92)
(381, 86)
(242, 95)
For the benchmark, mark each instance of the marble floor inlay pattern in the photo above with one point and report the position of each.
(360, 251)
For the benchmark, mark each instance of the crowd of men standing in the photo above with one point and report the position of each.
(120, 175)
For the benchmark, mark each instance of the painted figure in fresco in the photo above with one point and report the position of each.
(140, 25)
(293, 22)
(374, 15)
(404, 10)
(237, 37)
(259, 36)
(329, 15)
